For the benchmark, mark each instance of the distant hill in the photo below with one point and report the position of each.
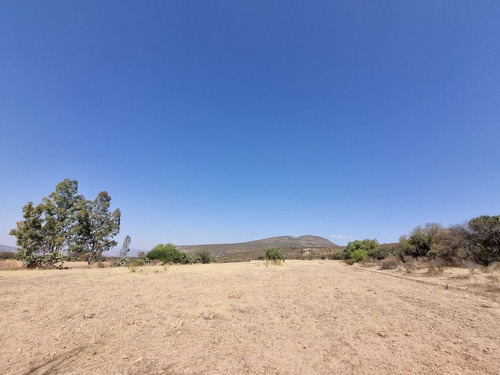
(5, 248)
(307, 241)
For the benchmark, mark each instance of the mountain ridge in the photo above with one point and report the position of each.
(304, 241)
(8, 249)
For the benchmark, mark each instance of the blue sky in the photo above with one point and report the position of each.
(228, 121)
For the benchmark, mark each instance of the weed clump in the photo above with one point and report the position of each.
(389, 263)
(134, 266)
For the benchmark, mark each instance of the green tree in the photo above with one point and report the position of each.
(423, 241)
(46, 231)
(167, 253)
(125, 247)
(96, 226)
(371, 248)
(274, 254)
(479, 238)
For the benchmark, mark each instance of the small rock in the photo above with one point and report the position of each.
(138, 360)
(124, 356)
(207, 316)
(382, 334)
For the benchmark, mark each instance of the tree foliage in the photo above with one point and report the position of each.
(274, 254)
(167, 253)
(369, 248)
(424, 241)
(96, 226)
(65, 222)
(479, 239)
(125, 247)
(47, 229)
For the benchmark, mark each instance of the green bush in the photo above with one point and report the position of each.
(370, 247)
(192, 258)
(483, 239)
(359, 255)
(167, 254)
(336, 255)
(423, 241)
(274, 254)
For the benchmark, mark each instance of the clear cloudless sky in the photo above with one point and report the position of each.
(227, 121)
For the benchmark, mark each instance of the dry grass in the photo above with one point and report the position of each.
(10, 264)
(389, 263)
(304, 317)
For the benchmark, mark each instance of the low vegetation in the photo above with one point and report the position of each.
(66, 226)
(274, 254)
(476, 241)
(168, 253)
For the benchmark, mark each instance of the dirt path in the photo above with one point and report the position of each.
(307, 317)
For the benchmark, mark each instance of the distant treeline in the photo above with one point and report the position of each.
(476, 241)
(7, 255)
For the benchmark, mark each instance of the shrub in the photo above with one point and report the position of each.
(423, 241)
(7, 255)
(167, 254)
(482, 238)
(274, 254)
(193, 258)
(134, 265)
(436, 268)
(370, 247)
(359, 255)
(121, 262)
(336, 255)
(204, 256)
(389, 263)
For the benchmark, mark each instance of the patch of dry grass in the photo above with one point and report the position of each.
(10, 264)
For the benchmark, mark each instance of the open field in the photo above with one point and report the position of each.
(305, 317)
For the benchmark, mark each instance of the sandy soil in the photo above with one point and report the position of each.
(306, 317)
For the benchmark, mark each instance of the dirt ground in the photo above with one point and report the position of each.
(305, 317)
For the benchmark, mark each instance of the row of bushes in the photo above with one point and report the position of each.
(167, 253)
(477, 241)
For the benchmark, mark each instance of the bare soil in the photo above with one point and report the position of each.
(305, 317)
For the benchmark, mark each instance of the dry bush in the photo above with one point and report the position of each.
(367, 263)
(493, 268)
(436, 268)
(11, 264)
(410, 264)
(493, 271)
(389, 263)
